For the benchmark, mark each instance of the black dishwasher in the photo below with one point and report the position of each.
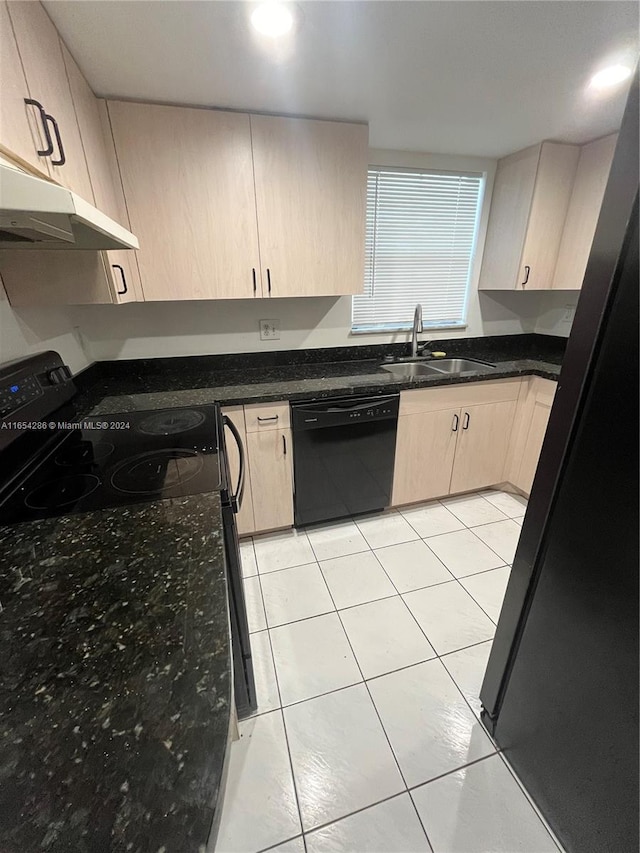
(343, 455)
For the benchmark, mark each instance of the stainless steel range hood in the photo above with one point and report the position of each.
(37, 214)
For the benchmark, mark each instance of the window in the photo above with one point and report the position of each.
(421, 231)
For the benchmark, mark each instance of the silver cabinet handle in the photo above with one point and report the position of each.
(467, 418)
(284, 444)
(527, 270)
(454, 425)
(272, 418)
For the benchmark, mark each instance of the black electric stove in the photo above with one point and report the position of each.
(52, 464)
(119, 460)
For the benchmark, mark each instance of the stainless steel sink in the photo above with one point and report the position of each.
(461, 365)
(412, 368)
(438, 367)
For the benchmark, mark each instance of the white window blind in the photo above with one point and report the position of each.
(421, 230)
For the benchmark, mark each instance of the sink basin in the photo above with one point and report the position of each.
(412, 368)
(460, 365)
(438, 367)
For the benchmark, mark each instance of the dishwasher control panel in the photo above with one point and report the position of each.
(344, 411)
(373, 412)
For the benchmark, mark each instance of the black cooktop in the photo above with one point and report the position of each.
(119, 460)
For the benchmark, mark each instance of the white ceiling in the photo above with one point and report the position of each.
(483, 78)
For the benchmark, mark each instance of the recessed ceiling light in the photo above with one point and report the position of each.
(272, 19)
(609, 77)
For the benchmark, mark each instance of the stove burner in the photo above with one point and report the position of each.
(157, 470)
(62, 492)
(84, 453)
(169, 423)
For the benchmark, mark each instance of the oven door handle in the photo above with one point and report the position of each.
(236, 499)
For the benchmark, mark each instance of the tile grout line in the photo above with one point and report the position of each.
(408, 791)
(374, 677)
(395, 757)
(284, 725)
(465, 526)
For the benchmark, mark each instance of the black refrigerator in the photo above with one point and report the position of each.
(560, 693)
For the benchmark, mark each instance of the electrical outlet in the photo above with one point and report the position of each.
(569, 311)
(269, 330)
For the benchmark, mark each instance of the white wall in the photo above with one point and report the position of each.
(24, 331)
(556, 312)
(186, 328)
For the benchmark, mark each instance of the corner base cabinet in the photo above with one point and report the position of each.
(534, 409)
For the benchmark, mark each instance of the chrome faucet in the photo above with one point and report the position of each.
(417, 330)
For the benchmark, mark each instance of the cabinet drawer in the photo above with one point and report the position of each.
(265, 416)
(457, 396)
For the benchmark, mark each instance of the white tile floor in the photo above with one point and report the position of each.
(370, 639)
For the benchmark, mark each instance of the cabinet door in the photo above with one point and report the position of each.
(105, 179)
(425, 448)
(271, 480)
(41, 54)
(549, 206)
(533, 445)
(584, 209)
(529, 430)
(311, 180)
(21, 133)
(244, 518)
(510, 206)
(482, 446)
(188, 183)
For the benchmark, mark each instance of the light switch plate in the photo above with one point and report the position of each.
(269, 330)
(569, 311)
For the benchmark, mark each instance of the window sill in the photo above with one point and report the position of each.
(392, 330)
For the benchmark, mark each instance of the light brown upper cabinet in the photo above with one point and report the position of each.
(41, 56)
(188, 183)
(55, 277)
(531, 196)
(584, 209)
(123, 278)
(310, 179)
(232, 206)
(21, 137)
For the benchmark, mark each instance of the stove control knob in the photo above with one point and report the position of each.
(59, 375)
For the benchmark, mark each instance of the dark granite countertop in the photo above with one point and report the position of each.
(122, 386)
(116, 681)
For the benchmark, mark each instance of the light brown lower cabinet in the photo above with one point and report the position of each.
(482, 446)
(269, 453)
(453, 439)
(425, 447)
(534, 408)
(244, 518)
